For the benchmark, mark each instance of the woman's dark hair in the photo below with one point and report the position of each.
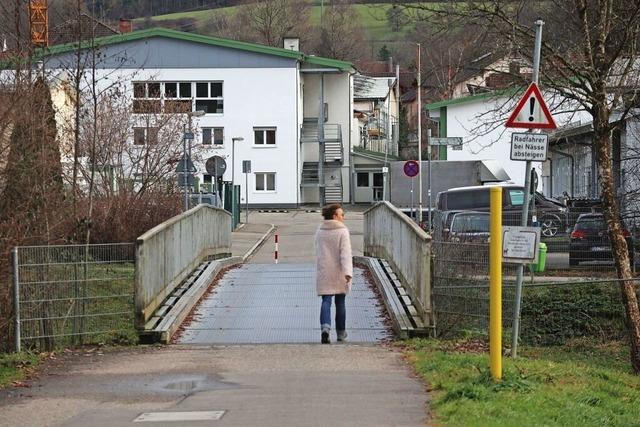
(330, 210)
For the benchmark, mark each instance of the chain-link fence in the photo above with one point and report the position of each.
(72, 294)
(561, 298)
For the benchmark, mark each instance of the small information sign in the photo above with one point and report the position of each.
(520, 244)
(529, 146)
(452, 140)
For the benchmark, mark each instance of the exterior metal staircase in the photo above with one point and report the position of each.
(333, 157)
(333, 193)
(310, 174)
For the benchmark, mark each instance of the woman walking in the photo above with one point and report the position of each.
(334, 269)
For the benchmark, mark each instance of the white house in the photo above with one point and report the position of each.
(571, 163)
(374, 135)
(260, 104)
(480, 121)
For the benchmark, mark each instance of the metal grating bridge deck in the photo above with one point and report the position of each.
(277, 303)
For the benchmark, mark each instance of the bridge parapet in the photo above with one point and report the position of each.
(169, 252)
(391, 235)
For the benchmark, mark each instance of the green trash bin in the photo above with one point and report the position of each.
(542, 259)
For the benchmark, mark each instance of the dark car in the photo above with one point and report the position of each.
(468, 227)
(590, 240)
(550, 214)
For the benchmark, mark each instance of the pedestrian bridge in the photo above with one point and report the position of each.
(192, 291)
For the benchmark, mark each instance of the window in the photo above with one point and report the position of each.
(468, 199)
(176, 97)
(378, 179)
(209, 97)
(264, 136)
(265, 181)
(213, 136)
(517, 197)
(143, 136)
(363, 179)
(146, 97)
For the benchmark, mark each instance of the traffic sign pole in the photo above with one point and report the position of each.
(525, 205)
(186, 170)
(419, 140)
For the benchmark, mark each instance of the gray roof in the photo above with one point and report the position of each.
(365, 87)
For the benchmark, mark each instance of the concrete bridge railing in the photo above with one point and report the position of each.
(169, 252)
(390, 234)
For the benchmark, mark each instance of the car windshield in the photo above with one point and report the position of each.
(590, 224)
(470, 224)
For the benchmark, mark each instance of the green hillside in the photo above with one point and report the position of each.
(373, 19)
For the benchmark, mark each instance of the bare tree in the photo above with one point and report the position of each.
(590, 57)
(340, 36)
(267, 22)
(138, 153)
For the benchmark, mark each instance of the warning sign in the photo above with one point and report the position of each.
(531, 112)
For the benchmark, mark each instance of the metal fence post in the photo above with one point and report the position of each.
(16, 298)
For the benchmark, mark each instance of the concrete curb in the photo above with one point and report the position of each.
(259, 243)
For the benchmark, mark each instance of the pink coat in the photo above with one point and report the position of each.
(333, 252)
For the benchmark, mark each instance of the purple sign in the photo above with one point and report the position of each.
(411, 168)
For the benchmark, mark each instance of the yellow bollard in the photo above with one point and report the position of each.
(495, 284)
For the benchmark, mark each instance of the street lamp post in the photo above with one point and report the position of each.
(233, 163)
(186, 155)
(185, 165)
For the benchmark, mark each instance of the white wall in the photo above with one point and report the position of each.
(252, 97)
(481, 125)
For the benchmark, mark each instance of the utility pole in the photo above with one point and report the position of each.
(525, 205)
(185, 173)
(429, 176)
(419, 84)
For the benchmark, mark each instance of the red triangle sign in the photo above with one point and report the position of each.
(531, 112)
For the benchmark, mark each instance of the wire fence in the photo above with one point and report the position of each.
(561, 299)
(72, 294)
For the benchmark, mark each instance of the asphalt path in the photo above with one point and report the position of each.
(343, 384)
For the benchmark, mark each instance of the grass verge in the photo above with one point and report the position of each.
(581, 383)
(15, 367)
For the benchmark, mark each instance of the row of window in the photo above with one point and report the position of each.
(265, 181)
(210, 136)
(362, 179)
(177, 97)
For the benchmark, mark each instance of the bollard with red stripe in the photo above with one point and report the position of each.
(276, 252)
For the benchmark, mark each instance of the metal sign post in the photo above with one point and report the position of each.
(411, 169)
(186, 168)
(532, 113)
(419, 87)
(246, 169)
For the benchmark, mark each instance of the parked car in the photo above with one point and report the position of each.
(590, 240)
(442, 224)
(468, 227)
(551, 214)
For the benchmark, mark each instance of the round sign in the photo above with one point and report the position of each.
(411, 168)
(215, 166)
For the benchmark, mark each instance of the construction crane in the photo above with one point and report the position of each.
(39, 23)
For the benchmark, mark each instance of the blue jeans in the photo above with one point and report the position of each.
(325, 312)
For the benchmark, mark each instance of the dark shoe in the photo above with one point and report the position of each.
(324, 337)
(342, 335)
